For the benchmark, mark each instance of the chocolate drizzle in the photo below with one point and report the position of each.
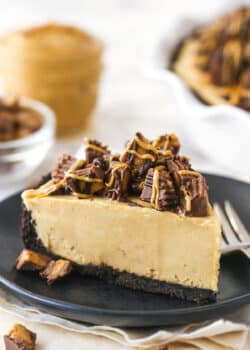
(151, 170)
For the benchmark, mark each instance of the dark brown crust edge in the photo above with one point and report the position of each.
(122, 278)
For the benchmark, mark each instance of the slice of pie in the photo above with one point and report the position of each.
(214, 61)
(141, 219)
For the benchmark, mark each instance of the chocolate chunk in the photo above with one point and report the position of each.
(167, 143)
(108, 159)
(87, 181)
(29, 120)
(177, 163)
(95, 149)
(137, 182)
(246, 52)
(29, 260)
(140, 155)
(7, 126)
(244, 102)
(20, 338)
(208, 43)
(17, 121)
(193, 193)
(63, 164)
(159, 189)
(245, 78)
(225, 63)
(117, 181)
(56, 270)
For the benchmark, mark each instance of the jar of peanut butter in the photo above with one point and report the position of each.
(57, 64)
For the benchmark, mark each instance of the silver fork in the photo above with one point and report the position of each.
(234, 234)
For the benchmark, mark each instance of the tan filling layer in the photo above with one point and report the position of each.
(160, 245)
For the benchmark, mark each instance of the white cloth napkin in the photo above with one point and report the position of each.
(57, 333)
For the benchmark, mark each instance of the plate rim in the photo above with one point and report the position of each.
(239, 300)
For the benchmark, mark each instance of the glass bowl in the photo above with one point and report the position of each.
(19, 158)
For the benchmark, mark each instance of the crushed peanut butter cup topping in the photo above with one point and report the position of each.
(95, 149)
(29, 260)
(228, 58)
(56, 270)
(159, 189)
(20, 338)
(16, 120)
(220, 56)
(118, 180)
(63, 164)
(151, 171)
(192, 193)
(82, 181)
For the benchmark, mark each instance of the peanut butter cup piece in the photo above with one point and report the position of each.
(225, 63)
(117, 180)
(29, 260)
(177, 163)
(95, 149)
(244, 102)
(167, 142)
(193, 193)
(139, 151)
(63, 164)
(56, 270)
(140, 155)
(159, 189)
(245, 78)
(86, 181)
(20, 338)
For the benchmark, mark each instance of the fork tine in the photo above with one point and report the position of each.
(224, 242)
(227, 230)
(238, 226)
(236, 223)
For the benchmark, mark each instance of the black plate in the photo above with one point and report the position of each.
(91, 300)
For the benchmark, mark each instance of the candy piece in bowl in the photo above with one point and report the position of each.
(26, 134)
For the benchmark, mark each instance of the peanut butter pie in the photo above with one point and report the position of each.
(215, 60)
(141, 219)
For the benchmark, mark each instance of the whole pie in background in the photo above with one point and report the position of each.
(215, 60)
